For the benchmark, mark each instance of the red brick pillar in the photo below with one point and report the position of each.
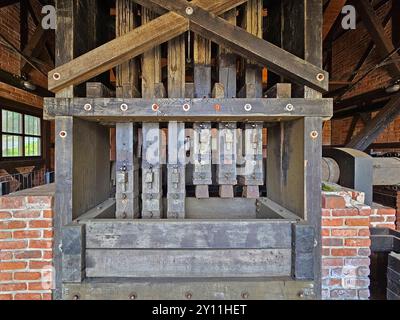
(26, 235)
(346, 247)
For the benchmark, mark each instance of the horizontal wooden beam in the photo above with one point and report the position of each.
(188, 234)
(190, 263)
(179, 289)
(128, 46)
(250, 46)
(187, 110)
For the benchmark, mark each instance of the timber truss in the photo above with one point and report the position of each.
(176, 18)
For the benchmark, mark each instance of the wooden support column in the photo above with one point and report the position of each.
(176, 131)
(202, 131)
(227, 131)
(127, 165)
(82, 160)
(251, 175)
(295, 147)
(151, 134)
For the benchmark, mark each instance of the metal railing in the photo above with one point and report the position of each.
(11, 183)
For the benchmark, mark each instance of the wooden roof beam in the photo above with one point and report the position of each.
(377, 125)
(331, 13)
(249, 46)
(128, 46)
(374, 26)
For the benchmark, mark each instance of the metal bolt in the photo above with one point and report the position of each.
(63, 134)
(188, 295)
(217, 107)
(289, 107)
(76, 297)
(245, 295)
(247, 107)
(314, 134)
(87, 107)
(301, 294)
(320, 77)
(186, 107)
(124, 107)
(155, 107)
(133, 296)
(56, 76)
(189, 11)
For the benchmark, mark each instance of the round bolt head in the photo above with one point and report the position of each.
(289, 107)
(76, 297)
(87, 107)
(245, 295)
(248, 107)
(186, 107)
(63, 134)
(188, 295)
(124, 107)
(314, 134)
(56, 76)
(189, 11)
(320, 77)
(133, 296)
(155, 107)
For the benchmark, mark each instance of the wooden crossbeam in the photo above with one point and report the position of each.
(374, 26)
(34, 47)
(249, 46)
(377, 125)
(256, 109)
(128, 46)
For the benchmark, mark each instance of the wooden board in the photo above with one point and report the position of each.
(188, 263)
(188, 234)
(200, 289)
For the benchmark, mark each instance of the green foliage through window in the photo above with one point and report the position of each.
(21, 135)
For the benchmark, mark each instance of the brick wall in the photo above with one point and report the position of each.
(26, 247)
(346, 243)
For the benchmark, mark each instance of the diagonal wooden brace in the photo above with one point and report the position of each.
(130, 45)
(240, 41)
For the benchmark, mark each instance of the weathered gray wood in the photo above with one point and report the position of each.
(73, 253)
(386, 171)
(303, 251)
(188, 263)
(105, 210)
(394, 261)
(130, 45)
(188, 234)
(127, 175)
(268, 209)
(240, 41)
(98, 90)
(172, 109)
(200, 289)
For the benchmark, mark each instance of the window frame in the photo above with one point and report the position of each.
(23, 135)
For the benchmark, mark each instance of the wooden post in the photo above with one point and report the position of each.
(176, 131)
(80, 145)
(202, 131)
(151, 134)
(251, 174)
(295, 148)
(127, 165)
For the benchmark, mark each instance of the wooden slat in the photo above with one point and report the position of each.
(189, 234)
(178, 289)
(188, 263)
(73, 253)
(128, 46)
(172, 109)
(240, 41)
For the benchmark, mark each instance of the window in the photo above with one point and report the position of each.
(20, 135)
